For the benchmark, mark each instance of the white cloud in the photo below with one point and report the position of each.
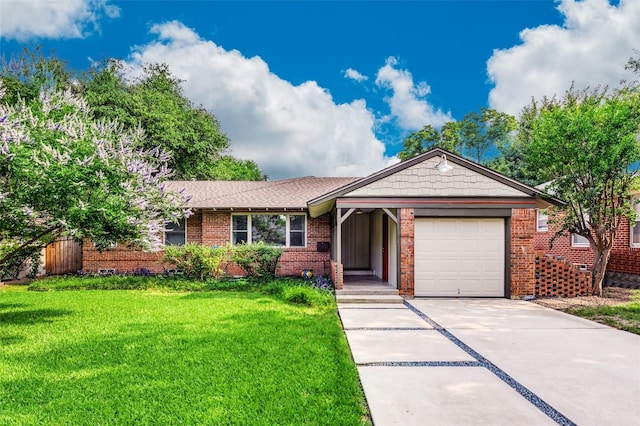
(590, 49)
(288, 130)
(355, 75)
(408, 106)
(31, 19)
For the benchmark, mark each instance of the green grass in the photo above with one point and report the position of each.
(624, 317)
(159, 357)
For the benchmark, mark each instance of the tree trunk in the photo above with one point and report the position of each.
(599, 268)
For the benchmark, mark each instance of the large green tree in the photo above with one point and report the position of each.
(64, 173)
(155, 101)
(587, 145)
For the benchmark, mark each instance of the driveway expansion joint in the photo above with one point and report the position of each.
(371, 307)
(388, 329)
(534, 399)
(421, 364)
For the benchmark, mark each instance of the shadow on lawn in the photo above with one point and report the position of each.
(31, 316)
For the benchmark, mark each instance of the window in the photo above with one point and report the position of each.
(542, 223)
(579, 241)
(635, 229)
(176, 233)
(287, 230)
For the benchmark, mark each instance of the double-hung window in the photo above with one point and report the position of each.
(579, 241)
(542, 221)
(176, 233)
(285, 230)
(635, 226)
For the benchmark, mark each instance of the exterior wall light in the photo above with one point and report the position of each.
(443, 166)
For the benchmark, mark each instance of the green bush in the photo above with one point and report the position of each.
(257, 260)
(196, 261)
(11, 269)
(305, 295)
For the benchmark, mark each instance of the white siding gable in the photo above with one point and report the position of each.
(424, 180)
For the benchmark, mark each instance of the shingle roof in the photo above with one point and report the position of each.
(287, 193)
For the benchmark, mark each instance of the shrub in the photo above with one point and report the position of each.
(11, 269)
(196, 261)
(257, 260)
(323, 282)
(305, 295)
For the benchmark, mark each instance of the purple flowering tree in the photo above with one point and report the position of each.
(64, 173)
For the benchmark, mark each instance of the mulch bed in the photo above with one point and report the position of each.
(612, 296)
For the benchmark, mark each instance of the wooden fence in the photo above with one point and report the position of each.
(64, 257)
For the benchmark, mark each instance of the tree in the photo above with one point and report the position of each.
(587, 145)
(634, 64)
(155, 101)
(24, 77)
(64, 173)
(481, 132)
(474, 136)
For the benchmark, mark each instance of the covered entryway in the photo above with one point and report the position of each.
(460, 257)
(447, 232)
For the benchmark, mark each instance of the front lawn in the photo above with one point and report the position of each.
(160, 357)
(625, 316)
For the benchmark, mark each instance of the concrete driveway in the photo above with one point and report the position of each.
(491, 361)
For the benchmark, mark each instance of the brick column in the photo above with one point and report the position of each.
(522, 256)
(334, 275)
(407, 230)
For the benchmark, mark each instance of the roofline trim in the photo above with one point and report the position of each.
(388, 171)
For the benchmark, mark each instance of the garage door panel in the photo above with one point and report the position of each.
(459, 257)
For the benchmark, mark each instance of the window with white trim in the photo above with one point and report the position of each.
(635, 229)
(176, 233)
(579, 241)
(542, 221)
(286, 230)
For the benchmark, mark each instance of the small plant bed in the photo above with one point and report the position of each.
(174, 357)
(619, 308)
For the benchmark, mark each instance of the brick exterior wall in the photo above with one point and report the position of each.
(560, 278)
(624, 259)
(522, 256)
(213, 228)
(334, 275)
(407, 260)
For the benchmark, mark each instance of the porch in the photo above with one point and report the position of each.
(367, 289)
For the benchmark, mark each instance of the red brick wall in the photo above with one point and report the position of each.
(560, 278)
(623, 258)
(522, 256)
(562, 247)
(625, 261)
(407, 263)
(213, 228)
(123, 259)
(295, 260)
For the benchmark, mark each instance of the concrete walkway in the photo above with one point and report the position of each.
(493, 362)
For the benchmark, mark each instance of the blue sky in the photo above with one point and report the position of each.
(331, 88)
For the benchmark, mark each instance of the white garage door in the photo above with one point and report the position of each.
(459, 257)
